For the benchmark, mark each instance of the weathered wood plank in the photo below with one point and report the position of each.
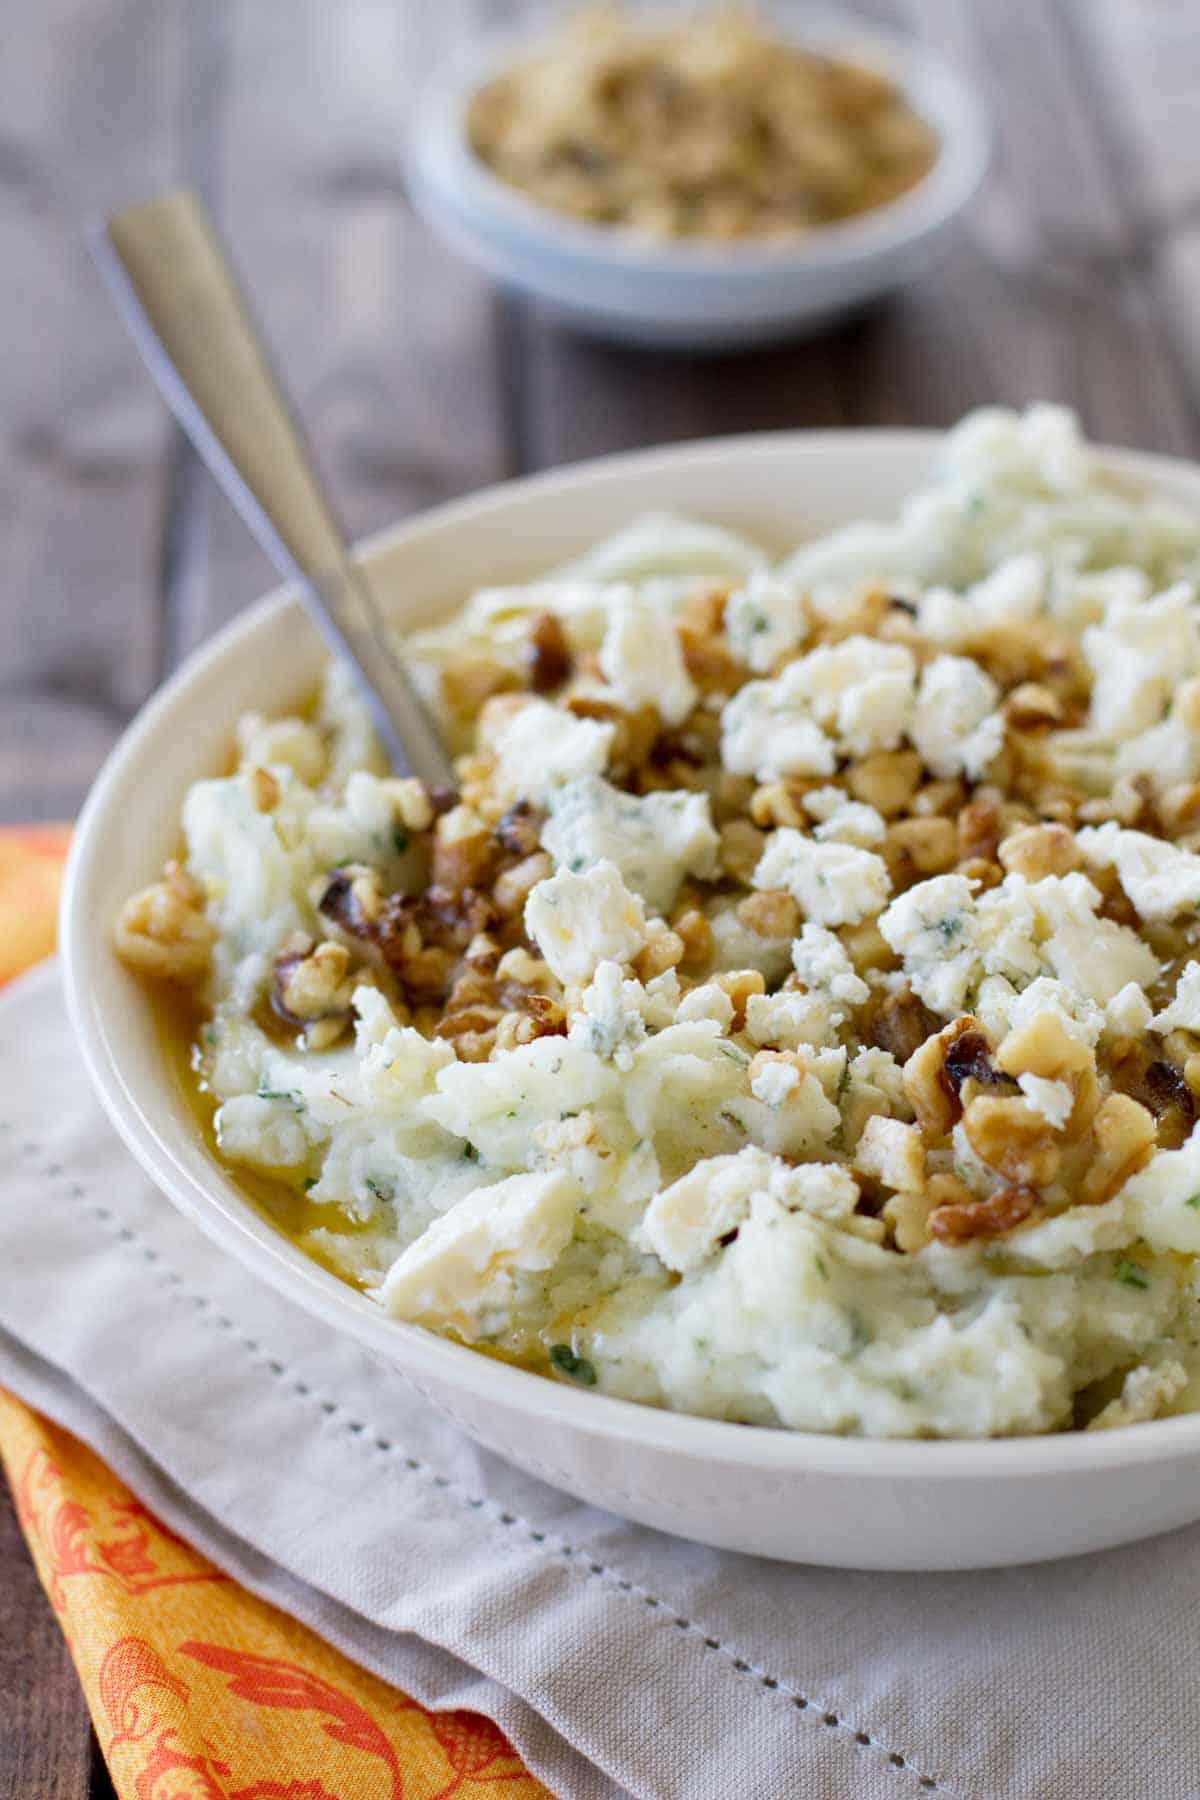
(45, 1733)
(386, 340)
(87, 100)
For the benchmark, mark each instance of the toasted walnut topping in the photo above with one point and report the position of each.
(739, 984)
(921, 846)
(664, 951)
(944, 797)
(352, 899)
(1012, 1137)
(1124, 1139)
(414, 807)
(310, 989)
(634, 733)
(777, 804)
(770, 913)
(519, 830)
(463, 850)
(708, 660)
(512, 887)
(547, 654)
(741, 849)
(957, 1222)
(931, 1087)
(264, 789)
(471, 679)
(1039, 850)
(163, 930)
(1033, 707)
(979, 830)
(900, 1024)
(906, 1216)
(1179, 808)
(886, 780)
(695, 934)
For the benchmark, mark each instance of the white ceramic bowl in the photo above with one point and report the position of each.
(690, 296)
(804, 1497)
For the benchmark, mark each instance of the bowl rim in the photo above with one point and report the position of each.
(419, 1354)
(437, 149)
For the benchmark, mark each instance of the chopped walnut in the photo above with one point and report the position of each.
(512, 887)
(1039, 850)
(738, 985)
(310, 989)
(741, 849)
(163, 930)
(547, 653)
(1124, 1139)
(886, 780)
(928, 846)
(463, 850)
(770, 913)
(957, 1222)
(1012, 1137)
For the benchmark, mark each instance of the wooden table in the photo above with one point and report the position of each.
(1077, 279)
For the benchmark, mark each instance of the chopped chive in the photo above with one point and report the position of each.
(400, 841)
(1132, 1274)
(577, 1367)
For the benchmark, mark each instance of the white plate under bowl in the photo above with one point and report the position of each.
(807, 1498)
(689, 296)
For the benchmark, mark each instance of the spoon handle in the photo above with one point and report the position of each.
(173, 285)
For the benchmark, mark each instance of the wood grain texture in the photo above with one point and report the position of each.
(1077, 277)
(45, 1737)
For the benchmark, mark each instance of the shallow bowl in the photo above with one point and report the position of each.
(843, 1501)
(695, 296)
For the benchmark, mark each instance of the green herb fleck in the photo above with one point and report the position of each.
(399, 841)
(1132, 1274)
(380, 1189)
(470, 1153)
(310, 1182)
(1193, 1200)
(578, 1368)
(286, 1094)
(822, 1271)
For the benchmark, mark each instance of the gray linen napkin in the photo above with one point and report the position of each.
(617, 1659)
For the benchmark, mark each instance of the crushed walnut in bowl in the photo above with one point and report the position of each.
(793, 1015)
(709, 127)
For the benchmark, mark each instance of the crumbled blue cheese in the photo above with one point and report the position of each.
(764, 620)
(642, 661)
(791, 1020)
(580, 921)
(1137, 656)
(842, 820)
(853, 697)
(835, 884)
(684, 1225)
(1183, 1014)
(950, 941)
(956, 728)
(823, 963)
(1128, 1013)
(1054, 1100)
(656, 840)
(1161, 879)
(463, 1267)
(540, 747)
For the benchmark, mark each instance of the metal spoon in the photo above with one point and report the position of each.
(171, 279)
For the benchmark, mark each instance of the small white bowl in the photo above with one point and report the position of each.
(685, 296)
(845, 1501)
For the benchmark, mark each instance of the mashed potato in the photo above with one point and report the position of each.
(794, 1014)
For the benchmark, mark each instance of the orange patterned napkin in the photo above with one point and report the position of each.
(195, 1685)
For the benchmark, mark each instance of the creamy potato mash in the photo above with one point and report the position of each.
(793, 1016)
